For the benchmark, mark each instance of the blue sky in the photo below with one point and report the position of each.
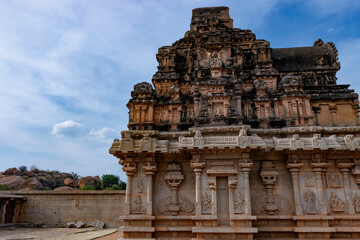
(67, 67)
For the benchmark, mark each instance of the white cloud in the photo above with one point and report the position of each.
(103, 133)
(68, 128)
(330, 7)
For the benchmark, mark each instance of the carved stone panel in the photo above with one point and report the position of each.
(310, 200)
(336, 203)
(309, 180)
(238, 202)
(334, 180)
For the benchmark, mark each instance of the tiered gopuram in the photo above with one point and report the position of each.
(236, 140)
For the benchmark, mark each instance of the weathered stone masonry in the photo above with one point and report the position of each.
(241, 141)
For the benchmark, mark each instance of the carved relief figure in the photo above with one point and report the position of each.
(206, 203)
(140, 186)
(356, 200)
(336, 203)
(334, 180)
(309, 181)
(238, 203)
(309, 198)
(139, 209)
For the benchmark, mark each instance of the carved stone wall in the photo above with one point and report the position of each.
(241, 141)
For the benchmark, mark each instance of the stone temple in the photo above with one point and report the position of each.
(237, 140)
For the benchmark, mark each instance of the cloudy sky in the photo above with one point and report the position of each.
(67, 67)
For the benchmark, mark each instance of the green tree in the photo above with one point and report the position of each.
(122, 185)
(109, 180)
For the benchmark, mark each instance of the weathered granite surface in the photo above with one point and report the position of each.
(241, 141)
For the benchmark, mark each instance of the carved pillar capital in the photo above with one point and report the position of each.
(345, 166)
(150, 168)
(246, 167)
(129, 166)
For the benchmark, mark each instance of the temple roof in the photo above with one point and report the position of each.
(218, 75)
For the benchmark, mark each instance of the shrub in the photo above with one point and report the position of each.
(22, 169)
(75, 176)
(46, 188)
(5, 187)
(113, 187)
(88, 187)
(33, 167)
(109, 180)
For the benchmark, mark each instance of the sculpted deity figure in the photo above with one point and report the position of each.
(336, 203)
(206, 203)
(140, 187)
(238, 203)
(215, 62)
(309, 198)
(334, 180)
(309, 181)
(357, 202)
(138, 205)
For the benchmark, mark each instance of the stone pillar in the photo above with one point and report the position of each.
(318, 168)
(245, 169)
(3, 211)
(294, 169)
(16, 211)
(333, 110)
(130, 169)
(345, 169)
(198, 169)
(150, 170)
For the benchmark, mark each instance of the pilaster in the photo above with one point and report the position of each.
(198, 167)
(294, 166)
(245, 169)
(150, 169)
(345, 169)
(319, 167)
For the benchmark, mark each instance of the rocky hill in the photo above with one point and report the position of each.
(36, 179)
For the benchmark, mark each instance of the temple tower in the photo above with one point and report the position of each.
(237, 140)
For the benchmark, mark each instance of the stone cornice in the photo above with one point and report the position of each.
(237, 138)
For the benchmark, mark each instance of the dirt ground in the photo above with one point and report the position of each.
(58, 234)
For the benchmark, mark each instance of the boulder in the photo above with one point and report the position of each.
(70, 182)
(11, 171)
(64, 188)
(98, 179)
(12, 180)
(85, 181)
(34, 183)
